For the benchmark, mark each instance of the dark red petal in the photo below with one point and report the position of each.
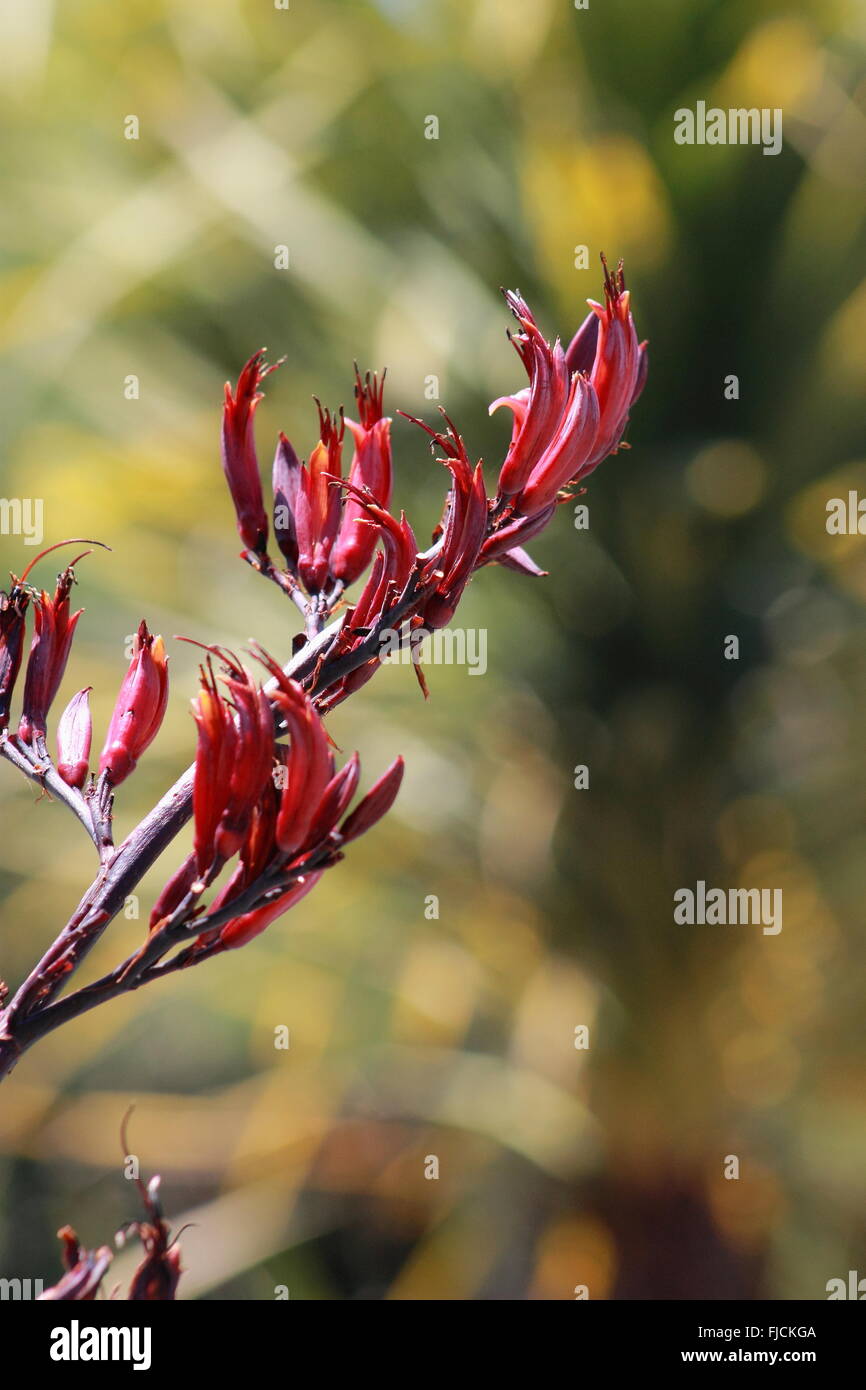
(378, 801)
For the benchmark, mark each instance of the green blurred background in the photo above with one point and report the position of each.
(454, 1036)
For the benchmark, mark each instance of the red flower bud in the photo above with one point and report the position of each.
(251, 924)
(240, 463)
(335, 800)
(139, 709)
(378, 801)
(286, 483)
(74, 734)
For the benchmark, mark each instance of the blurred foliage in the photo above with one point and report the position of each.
(454, 1037)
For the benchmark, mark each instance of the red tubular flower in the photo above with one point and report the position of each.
(377, 803)
(49, 652)
(606, 347)
(392, 570)
(233, 765)
(335, 800)
(251, 924)
(240, 463)
(319, 503)
(323, 835)
(504, 546)
(371, 473)
(216, 752)
(576, 407)
(13, 609)
(293, 834)
(463, 527)
(309, 768)
(567, 456)
(74, 734)
(538, 410)
(139, 709)
(327, 540)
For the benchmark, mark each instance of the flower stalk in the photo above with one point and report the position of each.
(270, 809)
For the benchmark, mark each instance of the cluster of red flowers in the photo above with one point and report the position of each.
(279, 808)
(266, 793)
(141, 701)
(327, 541)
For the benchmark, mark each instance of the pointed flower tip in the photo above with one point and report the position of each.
(377, 803)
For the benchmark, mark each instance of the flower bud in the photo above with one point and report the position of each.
(140, 707)
(286, 481)
(378, 801)
(74, 733)
(240, 463)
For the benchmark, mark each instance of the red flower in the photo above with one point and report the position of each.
(49, 652)
(328, 540)
(234, 760)
(139, 709)
(538, 409)
(318, 504)
(74, 734)
(607, 348)
(251, 924)
(292, 832)
(575, 410)
(377, 803)
(240, 464)
(504, 544)
(310, 763)
(462, 528)
(393, 568)
(324, 838)
(566, 457)
(370, 472)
